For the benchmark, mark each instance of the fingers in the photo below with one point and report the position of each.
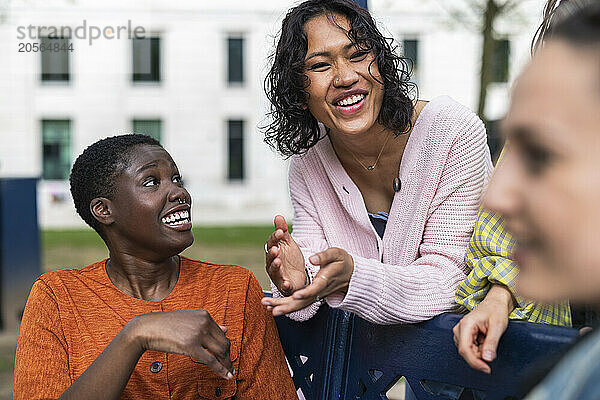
(301, 298)
(319, 287)
(272, 247)
(279, 223)
(495, 331)
(466, 335)
(225, 371)
(328, 256)
(218, 345)
(286, 305)
(273, 263)
(585, 330)
(275, 273)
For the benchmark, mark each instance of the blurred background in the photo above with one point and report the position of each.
(190, 74)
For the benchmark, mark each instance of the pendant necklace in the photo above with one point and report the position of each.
(396, 184)
(372, 166)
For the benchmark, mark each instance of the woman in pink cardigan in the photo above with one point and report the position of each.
(385, 189)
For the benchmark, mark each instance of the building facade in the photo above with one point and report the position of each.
(191, 74)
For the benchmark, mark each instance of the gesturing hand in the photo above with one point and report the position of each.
(337, 267)
(284, 260)
(188, 332)
(477, 334)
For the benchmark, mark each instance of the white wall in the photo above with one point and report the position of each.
(193, 99)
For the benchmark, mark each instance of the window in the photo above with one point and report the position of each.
(55, 64)
(146, 59)
(235, 144)
(235, 63)
(150, 127)
(56, 148)
(410, 50)
(500, 59)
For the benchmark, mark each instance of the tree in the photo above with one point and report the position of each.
(492, 10)
(483, 15)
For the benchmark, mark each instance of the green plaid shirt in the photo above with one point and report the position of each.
(488, 256)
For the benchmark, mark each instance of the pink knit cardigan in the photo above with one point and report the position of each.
(412, 273)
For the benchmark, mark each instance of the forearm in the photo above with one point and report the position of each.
(501, 294)
(391, 294)
(108, 375)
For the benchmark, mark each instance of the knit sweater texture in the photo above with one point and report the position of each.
(410, 274)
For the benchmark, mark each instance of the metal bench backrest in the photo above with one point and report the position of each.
(337, 355)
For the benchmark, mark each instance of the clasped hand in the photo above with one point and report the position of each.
(478, 333)
(285, 266)
(188, 332)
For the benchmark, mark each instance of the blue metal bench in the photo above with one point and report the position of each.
(337, 355)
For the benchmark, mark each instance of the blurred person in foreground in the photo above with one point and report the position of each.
(146, 323)
(547, 187)
(489, 290)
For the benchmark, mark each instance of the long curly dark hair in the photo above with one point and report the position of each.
(292, 128)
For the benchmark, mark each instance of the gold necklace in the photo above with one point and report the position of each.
(372, 166)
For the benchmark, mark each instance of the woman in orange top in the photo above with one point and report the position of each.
(146, 322)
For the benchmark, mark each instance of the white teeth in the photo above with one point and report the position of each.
(351, 100)
(181, 222)
(177, 218)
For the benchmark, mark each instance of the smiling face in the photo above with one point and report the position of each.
(547, 186)
(342, 94)
(147, 216)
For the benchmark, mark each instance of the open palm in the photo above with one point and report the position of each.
(284, 260)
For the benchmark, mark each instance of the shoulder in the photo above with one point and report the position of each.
(577, 373)
(53, 290)
(67, 278)
(446, 117)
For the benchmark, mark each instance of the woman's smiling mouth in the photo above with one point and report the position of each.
(178, 220)
(351, 104)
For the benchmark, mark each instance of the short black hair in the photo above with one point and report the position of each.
(293, 129)
(95, 171)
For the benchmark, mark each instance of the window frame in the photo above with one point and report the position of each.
(69, 148)
(242, 176)
(138, 78)
(244, 55)
(159, 120)
(46, 77)
(496, 75)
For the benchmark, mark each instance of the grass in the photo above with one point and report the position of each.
(216, 235)
(239, 245)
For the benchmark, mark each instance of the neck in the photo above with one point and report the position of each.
(140, 278)
(366, 145)
(377, 149)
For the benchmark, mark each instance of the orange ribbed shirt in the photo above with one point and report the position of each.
(72, 315)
